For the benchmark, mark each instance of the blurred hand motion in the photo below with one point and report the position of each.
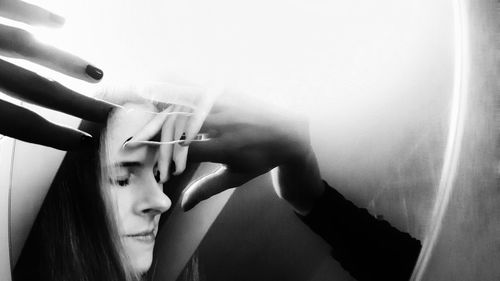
(179, 123)
(248, 137)
(23, 124)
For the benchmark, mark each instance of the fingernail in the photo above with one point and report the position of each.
(87, 141)
(94, 72)
(172, 168)
(126, 142)
(183, 137)
(57, 19)
(183, 140)
(157, 176)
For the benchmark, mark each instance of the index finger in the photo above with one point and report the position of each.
(33, 88)
(18, 43)
(23, 124)
(29, 13)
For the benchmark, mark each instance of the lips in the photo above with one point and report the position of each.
(147, 236)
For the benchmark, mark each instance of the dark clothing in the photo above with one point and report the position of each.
(368, 248)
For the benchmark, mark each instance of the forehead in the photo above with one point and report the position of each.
(122, 125)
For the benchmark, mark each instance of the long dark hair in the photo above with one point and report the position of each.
(73, 236)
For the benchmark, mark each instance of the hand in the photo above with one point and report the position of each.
(20, 123)
(249, 138)
(184, 112)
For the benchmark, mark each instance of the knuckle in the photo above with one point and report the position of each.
(23, 42)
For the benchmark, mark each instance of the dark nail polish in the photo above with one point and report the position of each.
(184, 144)
(125, 142)
(183, 137)
(94, 72)
(157, 175)
(87, 141)
(172, 168)
(57, 20)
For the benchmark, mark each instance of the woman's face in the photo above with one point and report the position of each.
(132, 181)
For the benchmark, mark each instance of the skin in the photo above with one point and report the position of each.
(249, 138)
(133, 185)
(261, 139)
(24, 85)
(258, 144)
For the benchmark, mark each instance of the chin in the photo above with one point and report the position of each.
(140, 255)
(142, 265)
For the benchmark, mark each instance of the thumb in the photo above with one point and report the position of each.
(210, 185)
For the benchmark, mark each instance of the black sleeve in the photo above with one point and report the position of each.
(368, 248)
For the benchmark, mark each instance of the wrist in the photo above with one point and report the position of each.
(300, 182)
(301, 158)
(294, 143)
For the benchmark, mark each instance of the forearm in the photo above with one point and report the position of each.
(368, 248)
(293, 176)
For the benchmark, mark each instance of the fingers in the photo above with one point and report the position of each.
(201, 112)
(215, 150)
(151, 129)
(23, 124)
(28, 13)
(18, 43)
(167, 134)
(193, 126)
(172, 94)
(33, 88)
(156, 125)
(215, 183)
(180, 152)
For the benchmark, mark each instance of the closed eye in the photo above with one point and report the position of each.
(122, 168)
(120, 182)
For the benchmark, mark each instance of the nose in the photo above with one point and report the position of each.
(152, 200)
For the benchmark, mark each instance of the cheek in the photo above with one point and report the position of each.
(122, 206)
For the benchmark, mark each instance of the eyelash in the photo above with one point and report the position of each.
(126, 181)
(120, 182)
